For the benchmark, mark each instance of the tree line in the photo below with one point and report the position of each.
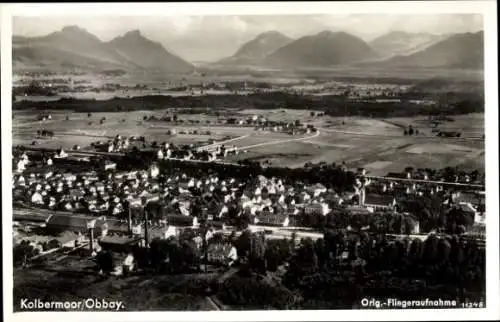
(334, 105)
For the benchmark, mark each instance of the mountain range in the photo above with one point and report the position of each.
(74, 47)
(464, 51)
(403, 43)
(324, 49)
(257, 49)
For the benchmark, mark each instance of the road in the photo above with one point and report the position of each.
(216, 144)
(279, 142)
(400, 135)
(458, 184)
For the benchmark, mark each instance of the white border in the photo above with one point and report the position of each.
(487, 8)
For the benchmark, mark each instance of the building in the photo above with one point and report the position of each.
(77, 223)
(316, 208)
(182, 221)
(376, 201)
(221, 254)
(108, 165)
(268, 219)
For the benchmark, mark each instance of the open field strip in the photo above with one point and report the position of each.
(400, 135)
(280, 141)
(222, 142)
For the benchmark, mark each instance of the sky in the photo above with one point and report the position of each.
(209, 38)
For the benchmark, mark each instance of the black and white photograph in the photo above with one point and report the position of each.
(281, 159)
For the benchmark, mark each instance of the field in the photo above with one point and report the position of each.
(377, 144)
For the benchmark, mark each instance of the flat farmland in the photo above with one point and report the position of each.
(82, 130)
(378, 154)
(378, 145)
(287, 115)
(360, 125)
(470, 125)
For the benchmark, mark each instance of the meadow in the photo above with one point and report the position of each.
(376, 144)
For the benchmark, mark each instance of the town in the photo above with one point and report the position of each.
(135, 212)
(249, 162)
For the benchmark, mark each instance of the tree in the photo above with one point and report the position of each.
(105, 261)
(89, 114)
(189, 254)
(243, 244)
(22, 252)
(175, 117)
(430, 249)
(444, 250)
(415, 249)
(313, 114)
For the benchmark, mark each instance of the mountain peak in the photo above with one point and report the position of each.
(270, 33)
(259, 47)
(330, 34)
(133, 33)
(75, 33)
(325, 33)
(463, 50)
(73, 29)
(326, 48)
(146, 53)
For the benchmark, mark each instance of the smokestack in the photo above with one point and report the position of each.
(91, 238)
(146, 232)
(129, 219)
(362, 196)
(90, 227)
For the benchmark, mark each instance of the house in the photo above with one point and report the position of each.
(356, 209)
(377, 201)
(134, 202)
(77, 223)
(154, 171)
(361, 171)
(316, 208)
(170, 232)
(37, 198)
(221, 254)
(478, 230)
(303, 197)
(182, 221)
(317, 189)
(278, 219)
(119, 244)
(21, 165)
(466, 197)
(99, 186)
(292, 211)
(60, 154)
(109, 165)
(397, 175)
(69, 177)
(21, 181)
(218, 225)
